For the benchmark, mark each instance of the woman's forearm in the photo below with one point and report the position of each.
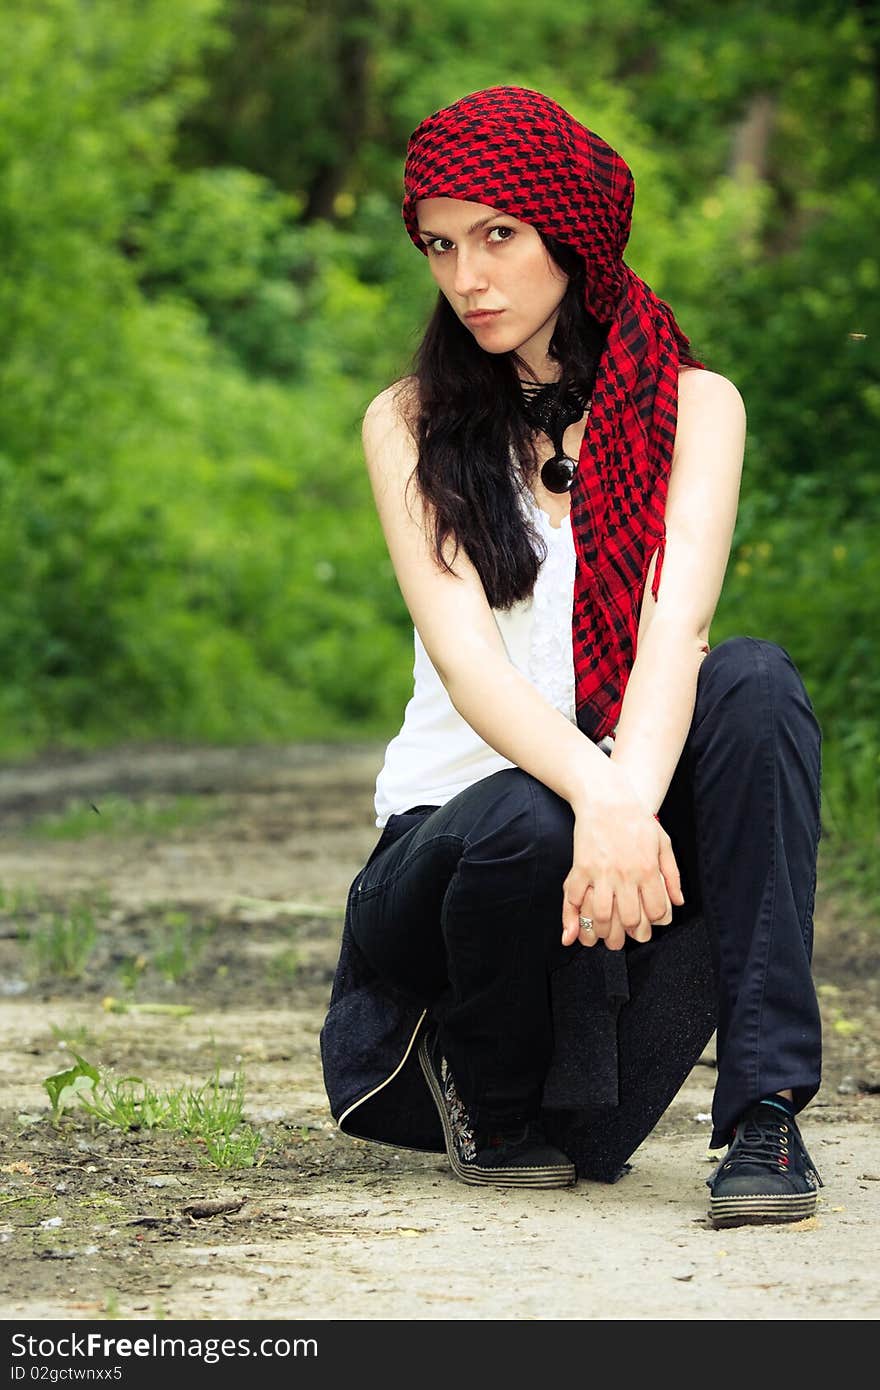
(515, 719)
(658, 708)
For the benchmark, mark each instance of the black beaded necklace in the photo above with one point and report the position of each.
(551, 411)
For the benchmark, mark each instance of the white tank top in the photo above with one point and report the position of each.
(437, 754)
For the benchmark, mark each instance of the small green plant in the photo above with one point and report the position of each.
(130, 971)
(181, 945)
(62, 947)
(237, 1150)
(214, 1108)
(14, 901)
(128, 1104)
(72, 1032)
(66, 1088)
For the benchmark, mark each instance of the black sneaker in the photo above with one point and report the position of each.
(518, 1156)
(766, 1174)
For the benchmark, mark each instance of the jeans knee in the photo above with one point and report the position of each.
(524, 822)
(554, 830)
(743, 675)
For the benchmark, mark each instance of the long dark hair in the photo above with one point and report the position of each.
(465, 420)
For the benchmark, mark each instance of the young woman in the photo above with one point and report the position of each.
(599, 837)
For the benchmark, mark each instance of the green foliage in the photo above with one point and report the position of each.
(810, 581)
(851, 816)
(172, 529)
(811, 584)
(223, 238)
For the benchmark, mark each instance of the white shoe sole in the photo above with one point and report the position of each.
(762, 1209)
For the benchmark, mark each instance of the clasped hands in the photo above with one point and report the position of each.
(624, 878)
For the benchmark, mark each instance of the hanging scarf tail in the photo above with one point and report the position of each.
(661, 551)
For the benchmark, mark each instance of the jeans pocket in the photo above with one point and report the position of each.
(396, 826)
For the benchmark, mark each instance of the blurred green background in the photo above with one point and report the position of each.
(205, 279)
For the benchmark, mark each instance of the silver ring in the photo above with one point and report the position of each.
(586, 923)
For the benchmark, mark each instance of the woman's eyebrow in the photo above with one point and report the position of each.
(423, 231)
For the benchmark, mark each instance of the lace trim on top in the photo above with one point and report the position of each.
(551, 661)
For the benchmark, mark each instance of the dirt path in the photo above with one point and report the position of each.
(236, 914)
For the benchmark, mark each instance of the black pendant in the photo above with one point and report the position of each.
(551, 413)
(558, 473)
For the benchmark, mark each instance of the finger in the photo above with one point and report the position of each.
(570, 924)
(643, 932)
(655, 902)
(573, 891)
(669, 870)
(587, 936)
(628, 904)
(615, 937)
(666, 916)
(602, 909)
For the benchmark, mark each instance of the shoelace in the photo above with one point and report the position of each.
(762, 1142)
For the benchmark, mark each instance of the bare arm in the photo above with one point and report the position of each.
(673, 634)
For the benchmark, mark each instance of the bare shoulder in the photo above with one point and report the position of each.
(711, 429)
(389, 437)
(700, 390)
(393, 411)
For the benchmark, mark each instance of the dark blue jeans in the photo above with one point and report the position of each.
(461, 908)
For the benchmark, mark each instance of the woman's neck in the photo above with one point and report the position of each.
(538, 368)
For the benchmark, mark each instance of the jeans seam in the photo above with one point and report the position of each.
(364, 894)
(774, 866)
(537, 824)
(475, 1102)
(710, 904)
(811, 896)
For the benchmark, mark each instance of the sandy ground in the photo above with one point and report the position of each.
(93, 1221)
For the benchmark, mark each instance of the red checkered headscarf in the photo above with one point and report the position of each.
(520, 152)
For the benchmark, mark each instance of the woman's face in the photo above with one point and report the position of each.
(483, 259)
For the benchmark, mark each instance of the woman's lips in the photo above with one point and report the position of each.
(483, 315)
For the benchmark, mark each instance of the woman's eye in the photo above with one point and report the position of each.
(441, 245)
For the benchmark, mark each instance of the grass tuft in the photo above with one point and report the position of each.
(62, 946)
(211, 1116)
(180, 947)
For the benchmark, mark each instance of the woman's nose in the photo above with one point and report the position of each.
(470, 275)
